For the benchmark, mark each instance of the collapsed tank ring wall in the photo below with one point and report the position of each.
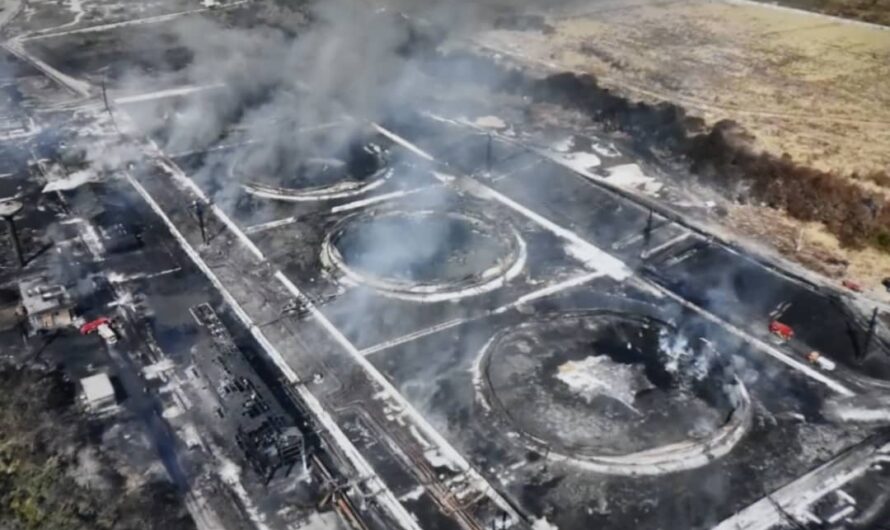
(344, 189)
(669, 458)
(509, 266)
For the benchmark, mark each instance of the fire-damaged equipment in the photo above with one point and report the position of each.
(102, 325)
(783, 331)
(270, 445)
(821, 361)
(120, 238)
(267, 435)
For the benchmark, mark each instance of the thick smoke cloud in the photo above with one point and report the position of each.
(348, 60)
(347, 66)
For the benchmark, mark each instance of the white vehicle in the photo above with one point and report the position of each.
(107, 334)
(819, 360)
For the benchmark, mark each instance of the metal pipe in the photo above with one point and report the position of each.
(871, 333)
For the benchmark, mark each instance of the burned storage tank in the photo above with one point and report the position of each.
(325, 166)
(615, 392)
(424, 255)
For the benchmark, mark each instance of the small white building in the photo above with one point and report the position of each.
(98, 393)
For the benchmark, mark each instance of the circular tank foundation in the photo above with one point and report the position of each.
(427, 256)
(290, 177)
(614, 392)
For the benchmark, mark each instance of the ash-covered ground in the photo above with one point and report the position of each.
(375, 285)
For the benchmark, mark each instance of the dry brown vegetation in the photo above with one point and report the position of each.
(723, 156)
(804, 84)
(801, 84)
(875, 11)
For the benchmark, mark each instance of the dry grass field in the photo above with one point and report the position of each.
(807, 85)
(875, 11)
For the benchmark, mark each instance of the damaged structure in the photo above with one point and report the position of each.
(363, 275)
(269, 438)
(47, 307)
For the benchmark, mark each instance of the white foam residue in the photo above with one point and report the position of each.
(230, 473)
(117, 277)
(413, 495)
(543, 524)
(868, 409)
(417, 436)
(382, 395)
(152, 371)
(321, 521)
(601, 376)
(607, 151)
(167, 93)
(581, 160)
(171, 412)
(490, 122)
(864, 415)
(92, 240)
(71, 181)
(563, 146)
(437, 459)
(76, 7)
(190, 436)
(631, 176)
(125, 299)
(478, 378)
(597, 259)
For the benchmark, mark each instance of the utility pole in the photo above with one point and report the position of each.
(199, 212)
(871, 333)
(647, 232)
(105, 101)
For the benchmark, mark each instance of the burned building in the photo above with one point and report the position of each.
(48, 307)
(267, 435)
(120, 238)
